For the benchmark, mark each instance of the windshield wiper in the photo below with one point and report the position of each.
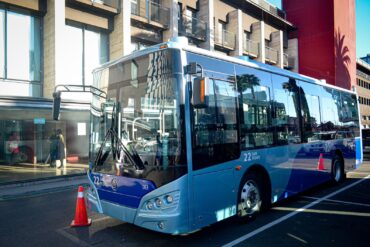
(132, 156)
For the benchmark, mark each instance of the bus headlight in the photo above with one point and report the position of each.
(165, 202)
(149, 205)
(169, 199)
(158, 202)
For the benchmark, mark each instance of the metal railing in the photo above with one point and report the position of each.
(151, 11)
(111, 3)
(192, 27)
(250, 47)
(225, 39)
(270, 8)
(271, 55)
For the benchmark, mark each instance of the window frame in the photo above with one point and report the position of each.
(31, 14)
(84, 28)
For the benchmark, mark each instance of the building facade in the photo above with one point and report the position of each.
(363, 90)
(327, 39)
(46, 43)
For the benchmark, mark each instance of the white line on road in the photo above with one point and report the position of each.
(297, 238)
(338, 201)
(73, 238)
(297, 211)
(320, 211)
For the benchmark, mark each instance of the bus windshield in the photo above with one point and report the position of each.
(139, 134)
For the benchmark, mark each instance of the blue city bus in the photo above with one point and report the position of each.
(187, 137)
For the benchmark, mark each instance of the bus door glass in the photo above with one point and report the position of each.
(215, 126)
(215, 143)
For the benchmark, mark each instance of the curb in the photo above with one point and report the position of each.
(38, 181)
(40, 187)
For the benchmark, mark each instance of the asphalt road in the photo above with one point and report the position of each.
(325, 216)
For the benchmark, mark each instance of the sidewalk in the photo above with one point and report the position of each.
(25, 172)
(37, 187)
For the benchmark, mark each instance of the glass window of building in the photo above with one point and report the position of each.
(137, 46)
(84, 51)
(20, 42)
(2, 44)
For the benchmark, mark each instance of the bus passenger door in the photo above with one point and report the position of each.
(215, 145)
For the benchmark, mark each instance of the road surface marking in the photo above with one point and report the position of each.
(103, 218)
(297, 211)
(297, 238)
(338, 201)
(73, 238)
(319, 211)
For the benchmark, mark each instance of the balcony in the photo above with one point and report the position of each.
(225, 39)
(271, 55)
(147, 11)
(250, 48)
(363, 75)
(193, 28)
(269, 8)
(108, 7)
(111, 3)
(288, 61)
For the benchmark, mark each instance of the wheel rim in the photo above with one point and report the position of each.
(250, 198)
(337, 171)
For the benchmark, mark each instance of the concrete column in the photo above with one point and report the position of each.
(120, 37)
(236, 26)
(206, 14)
(173, 30)
(126, 16)
(59, 15)
(258, 35)
(53, 45)
(293, 53)
(277, 44)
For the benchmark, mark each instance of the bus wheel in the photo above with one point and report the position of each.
(337, 171)
(250, 197)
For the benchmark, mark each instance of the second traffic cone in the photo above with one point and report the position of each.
(320, 164)
(81, 214)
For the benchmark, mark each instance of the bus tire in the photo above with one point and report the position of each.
(250, 197)
(337, 170)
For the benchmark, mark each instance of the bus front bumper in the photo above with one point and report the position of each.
(169, 218)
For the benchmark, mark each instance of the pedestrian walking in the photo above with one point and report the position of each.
(53, 149)
(61, 149)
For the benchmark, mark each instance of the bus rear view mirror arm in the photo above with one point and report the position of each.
(72, 89)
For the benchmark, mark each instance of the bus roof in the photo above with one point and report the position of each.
(181, 43)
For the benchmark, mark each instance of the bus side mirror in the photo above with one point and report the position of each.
(56, 105)
(200, 92)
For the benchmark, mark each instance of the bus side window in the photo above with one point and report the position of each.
(310, 105)
(286, 111)
(255, 106)
(349, 114)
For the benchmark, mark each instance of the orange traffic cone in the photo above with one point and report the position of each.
(320, 164)
(81, 214)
